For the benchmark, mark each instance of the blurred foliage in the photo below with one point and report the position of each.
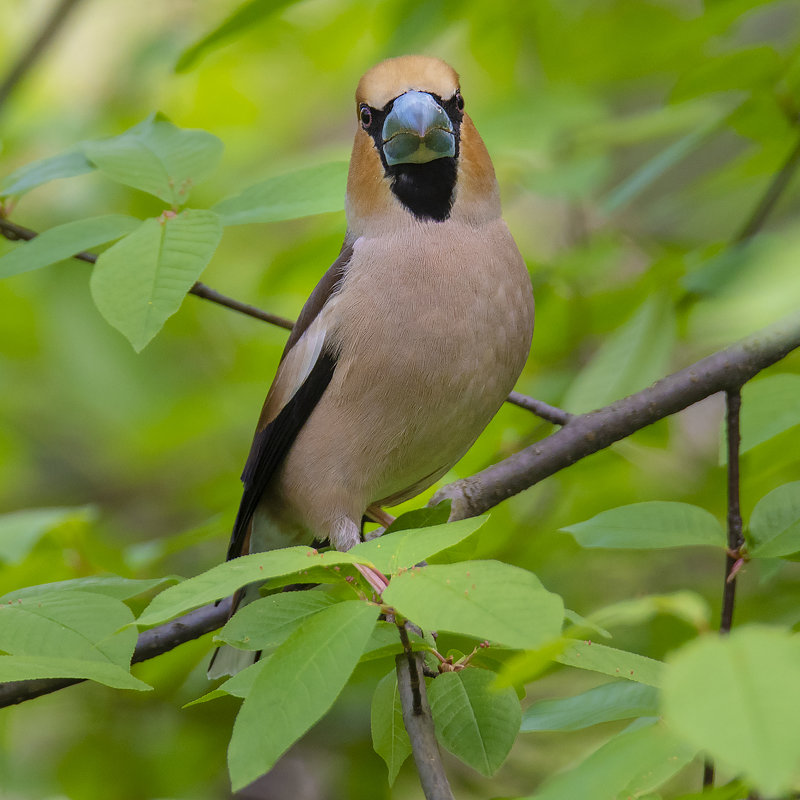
(632, 142)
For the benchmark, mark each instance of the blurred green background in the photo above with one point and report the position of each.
(632, 141)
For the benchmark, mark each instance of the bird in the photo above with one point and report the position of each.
(410, 342)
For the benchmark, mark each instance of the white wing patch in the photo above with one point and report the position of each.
(299, 361)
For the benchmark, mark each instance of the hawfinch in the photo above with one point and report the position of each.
(409, 343)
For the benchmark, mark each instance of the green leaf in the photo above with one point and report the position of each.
(655, 524)
(307, 191)
(238, 686)
(157, 157)
(730, 791)
(29, 176)
(611, 701)
(474, 721)
(72, 624)
(385, 641)
(613, 662)
(64, 241)
(775, 523)
(21, 668)
(738, 698)
(110, 585)
(632, 357)
(481, 599)
(425, 517)
(691, 607)
(407, 548)
(139, 282)
(296, 686)
(389, 736)
(224, 579)
(770, 406)
(629, 765)
(630, 188)
(20, 530)
(268, 621)
(239, 22)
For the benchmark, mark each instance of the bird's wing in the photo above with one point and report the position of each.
(305, 370)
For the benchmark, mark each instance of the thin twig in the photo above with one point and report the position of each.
(735, 538)
(420, 729)
(547, 412)
(150, 644)
(36, 48)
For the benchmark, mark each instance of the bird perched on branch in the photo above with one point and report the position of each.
(409, 343)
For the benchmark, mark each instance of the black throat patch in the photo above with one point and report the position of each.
(426, 190)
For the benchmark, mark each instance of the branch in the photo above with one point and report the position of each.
(547, 412)
(151, 643)
(733, 558)
(588, 433)
(29, 57)
(420, 728)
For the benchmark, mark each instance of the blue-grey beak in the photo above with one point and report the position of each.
(417, 130)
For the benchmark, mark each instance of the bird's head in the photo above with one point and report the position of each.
(417, 155)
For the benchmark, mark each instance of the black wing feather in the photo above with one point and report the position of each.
(271, 444)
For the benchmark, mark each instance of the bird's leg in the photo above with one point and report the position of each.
(377, 514)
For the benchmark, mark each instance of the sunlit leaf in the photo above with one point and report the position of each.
(64, 241)
(653, 524)
(738, 698)
(606, 703)
(307, 191)
(473, 720)
(311, 667)
(141, 281)
(480, 599)
(157, 157)
(389, 736)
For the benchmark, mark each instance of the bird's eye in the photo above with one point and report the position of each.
(459, 101)
(366, 115)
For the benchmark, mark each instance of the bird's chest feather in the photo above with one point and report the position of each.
(436, 334)
(437, 309)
